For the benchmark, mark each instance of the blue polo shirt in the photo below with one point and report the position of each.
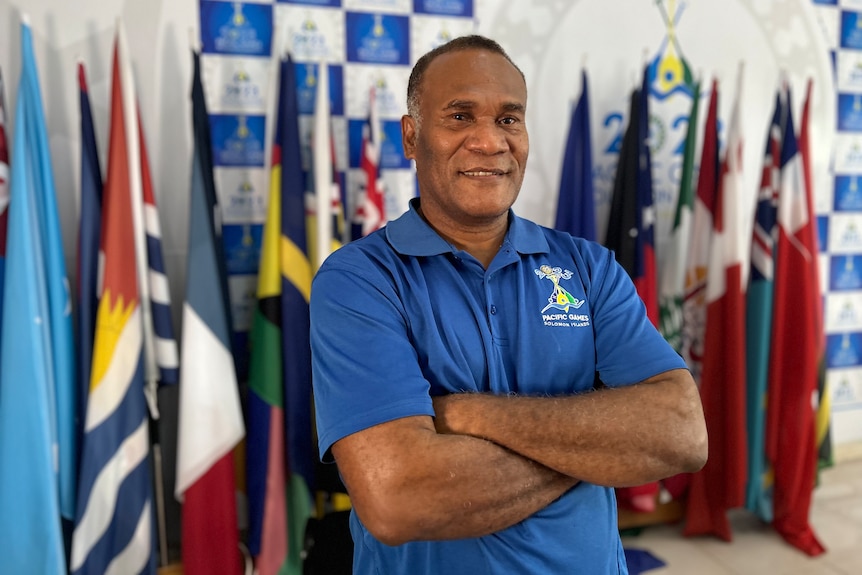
(401, 316)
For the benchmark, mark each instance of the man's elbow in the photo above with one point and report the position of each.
(697, 451)
(694, 439)
(388, 522)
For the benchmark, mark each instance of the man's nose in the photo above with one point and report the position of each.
(487, 137)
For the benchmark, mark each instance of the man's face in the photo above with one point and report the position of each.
(471, 143)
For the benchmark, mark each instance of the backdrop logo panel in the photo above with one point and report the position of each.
(848, 154)
(236, 28)
(849, 71)
(390, 89)
(850, 112)
(444, 7)
(238, 140)
(378, 38)
(844, 350)
(428, 32)
(242, 244)
(845, 272)
(846, 233)
(848, 197)
(843, 313)
(313, 34)
(306, 86)
(846, 387)
(242, 194)
(851, 30)
(239, 84)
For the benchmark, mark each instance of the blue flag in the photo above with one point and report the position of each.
(575, 204)
(37, 394)
(89, 234)
(758, 321)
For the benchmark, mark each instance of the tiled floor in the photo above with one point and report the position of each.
(836, 516)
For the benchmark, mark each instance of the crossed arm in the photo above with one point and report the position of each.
(486, 462)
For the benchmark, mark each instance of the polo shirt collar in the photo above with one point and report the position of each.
(410, 235)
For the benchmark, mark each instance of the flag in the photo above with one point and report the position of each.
(266, 460)
(758, 319)
(164, 343)
(630, 235)
(575, 203)
(296, 273)
(210, 416)
(114, 525)
(327, 194)
(645, 278)
(622, 218)
(371, 212)
(279, 499)
(89, 234)
(4, 188)
(795, 353)
(694, 300)
(824, 410)
(720, 485)
(672, 277)
(135, 159)
(37, 387)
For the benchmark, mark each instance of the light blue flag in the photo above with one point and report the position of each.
(758, 321)
(37, 393)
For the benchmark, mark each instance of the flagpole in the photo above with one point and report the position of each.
(322, 165)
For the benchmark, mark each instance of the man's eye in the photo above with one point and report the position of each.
(459, 116)
(509, 121)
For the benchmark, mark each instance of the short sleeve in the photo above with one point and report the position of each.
(364, 367)
(629, 348)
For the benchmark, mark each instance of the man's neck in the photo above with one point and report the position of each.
(481, 240)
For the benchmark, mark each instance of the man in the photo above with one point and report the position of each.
(482, 382)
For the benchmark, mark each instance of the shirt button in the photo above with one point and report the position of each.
(493, 310)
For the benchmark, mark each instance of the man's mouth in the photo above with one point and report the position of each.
(483, 173)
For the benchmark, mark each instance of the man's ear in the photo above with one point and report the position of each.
(408, 136)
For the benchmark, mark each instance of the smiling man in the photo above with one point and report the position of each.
(481, 381)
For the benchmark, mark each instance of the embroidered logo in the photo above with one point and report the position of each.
(560, 299)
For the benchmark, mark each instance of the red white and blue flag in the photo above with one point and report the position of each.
(114, 525)
(210, 415)
(795, 353)
(371, 211)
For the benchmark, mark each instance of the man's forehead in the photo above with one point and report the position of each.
(470, 75)
(470, 58)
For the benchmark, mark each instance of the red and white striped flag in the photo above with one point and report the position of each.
(371, 211)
